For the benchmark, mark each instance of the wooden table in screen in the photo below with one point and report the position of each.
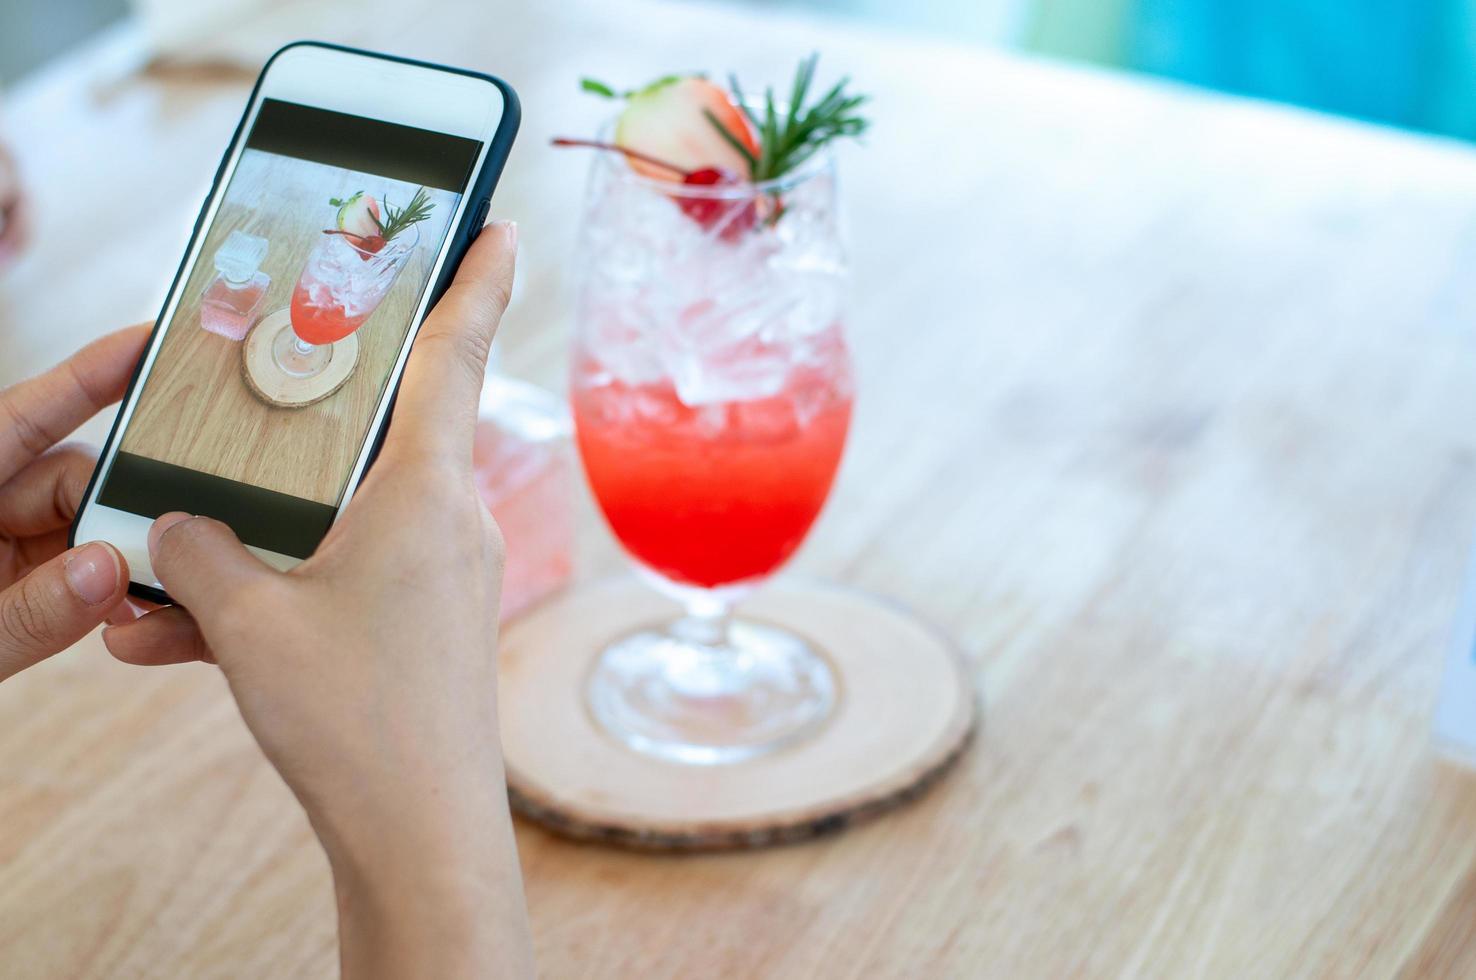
(198, 411)
(1165, 413)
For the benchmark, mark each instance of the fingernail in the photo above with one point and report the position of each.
(510, 229)
(123, 613)
(92, 572)
(164, 523)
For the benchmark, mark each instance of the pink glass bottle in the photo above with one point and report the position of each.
(232, 300)
(523, 463)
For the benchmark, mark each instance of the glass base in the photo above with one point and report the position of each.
(906, 704)
(298, 359)
(684, 695)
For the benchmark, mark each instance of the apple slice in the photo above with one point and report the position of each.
(357, 215)
(668, 120)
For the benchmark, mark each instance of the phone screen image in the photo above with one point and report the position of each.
(285, 334)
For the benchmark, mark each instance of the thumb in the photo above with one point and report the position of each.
(201, 563)
(58, 603)
(436, 409)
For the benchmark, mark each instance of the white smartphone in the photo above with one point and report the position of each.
(351, 190)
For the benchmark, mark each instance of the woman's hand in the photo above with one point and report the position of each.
(51, 597)
(368, 673)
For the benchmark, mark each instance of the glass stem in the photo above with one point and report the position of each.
(704, 664)
(706, 620)
(302, 348)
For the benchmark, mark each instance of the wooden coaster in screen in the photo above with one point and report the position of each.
(276, 387)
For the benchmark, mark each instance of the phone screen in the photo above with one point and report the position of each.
(288, 328)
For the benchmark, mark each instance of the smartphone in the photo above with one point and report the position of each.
(351, 190)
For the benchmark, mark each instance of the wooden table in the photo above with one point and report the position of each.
(1166, 415)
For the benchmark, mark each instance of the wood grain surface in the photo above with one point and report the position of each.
(197, 410)
(904, 711)
(269, 383)
(1164, 411)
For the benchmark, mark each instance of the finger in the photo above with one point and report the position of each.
(201, 563)
(38, 504)
(58, 603)
(45, 494)
(35, 550)
(130, 609)
(36, 414)
(123, 613)
(165, 636)
(436, 408)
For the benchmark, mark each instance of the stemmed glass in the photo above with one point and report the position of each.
(341, 286)
(711, 389)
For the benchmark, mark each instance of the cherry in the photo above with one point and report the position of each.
(370, 244)
(708, 212)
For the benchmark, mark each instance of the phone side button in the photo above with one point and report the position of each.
(481, 217)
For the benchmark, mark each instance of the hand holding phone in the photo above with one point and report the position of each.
(50, 597)
(368, 673)
(353, 187)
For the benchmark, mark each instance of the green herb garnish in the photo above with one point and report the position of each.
(397, 220)
(788, 139)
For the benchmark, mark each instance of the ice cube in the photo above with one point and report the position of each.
(710, 421)
(717, 351)
(742, 372)
(768, 420)
(724, 321)
(618, 340)
(655, 407)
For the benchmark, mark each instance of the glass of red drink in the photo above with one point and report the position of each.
(341, 285)
(711, 389)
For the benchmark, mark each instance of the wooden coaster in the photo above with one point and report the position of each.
(276, 387)
(906, 710)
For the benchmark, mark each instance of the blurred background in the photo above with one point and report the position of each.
(1405, 63)
(1164, 414)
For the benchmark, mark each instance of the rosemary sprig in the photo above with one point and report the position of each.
(788, 140)
(397, 220)
(733, 141)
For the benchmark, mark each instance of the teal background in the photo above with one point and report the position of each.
(1405, 63)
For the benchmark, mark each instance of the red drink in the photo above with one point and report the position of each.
(342, 285)
(324, 318)
(716, 493)
(522, 467)
(711, 392)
